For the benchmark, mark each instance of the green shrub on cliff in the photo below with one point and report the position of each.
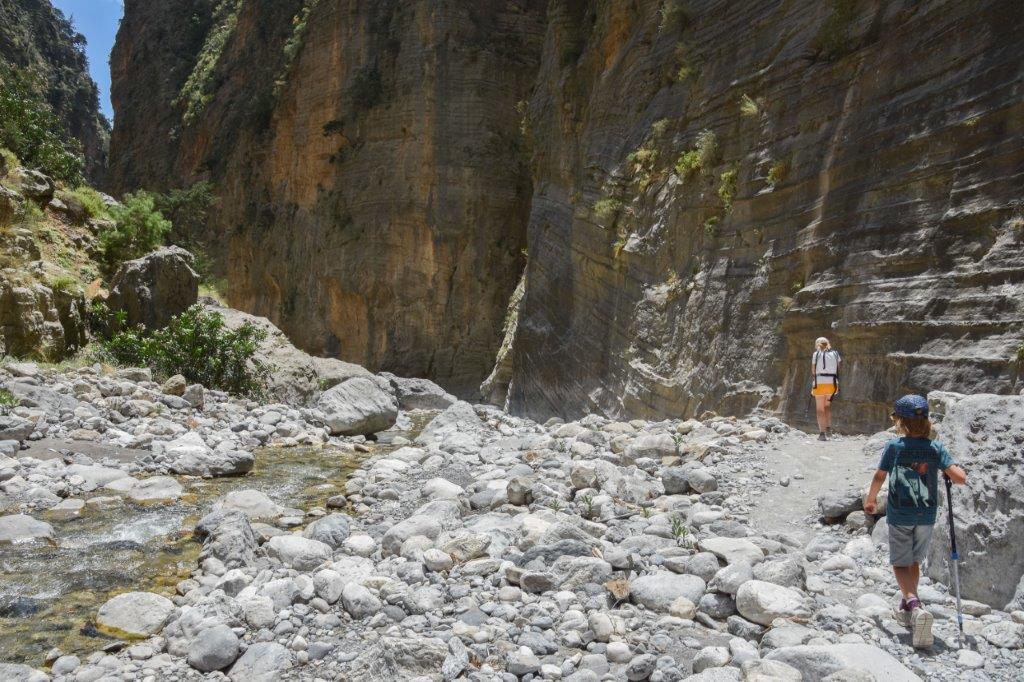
(197, 91)
(32, 132)
(606, 210)
(199, 346)
(294, 43)
(138, 228)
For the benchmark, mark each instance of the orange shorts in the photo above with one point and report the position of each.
(823, 389)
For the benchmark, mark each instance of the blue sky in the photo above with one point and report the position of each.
(97, 20)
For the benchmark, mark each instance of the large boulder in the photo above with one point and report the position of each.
(419, 394)
(32, 184)
(457, 429)
(818, 662)
(19, 528)
(134, 614)
(359, 406)
(156, 287)
(984, 434)
(189, 455)
(42, 398)
(296, 378)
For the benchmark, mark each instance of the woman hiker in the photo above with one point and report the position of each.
(825, 364)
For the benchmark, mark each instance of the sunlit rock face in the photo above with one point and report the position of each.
(368, 160)
(701, 191)
(860, 180)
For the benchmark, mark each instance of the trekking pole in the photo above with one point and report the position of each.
(954, 560)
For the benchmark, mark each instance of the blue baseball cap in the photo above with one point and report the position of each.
(910, 406)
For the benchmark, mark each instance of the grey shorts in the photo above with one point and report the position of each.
(908, 544)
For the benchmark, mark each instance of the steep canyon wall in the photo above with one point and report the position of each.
(367, 155)
(720, 183)
(702, 188)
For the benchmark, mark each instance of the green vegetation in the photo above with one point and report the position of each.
(188, 209)
(620, 244)
(588, 502)
(31, 132)
(65, 284)
(727, 187)
(9, 158)
(138, 228)
(197, 91)
(607, 210)
(748, 107)
(777, 172)
(660, 127)
(683, 68)
(701, 157)
(294, 43)
(366, 88)
(711, 226)
(90, 199)
(555, 504)
(673, 15)
(7, 400)
(199, 346)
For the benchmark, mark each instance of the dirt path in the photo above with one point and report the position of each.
(812, 467)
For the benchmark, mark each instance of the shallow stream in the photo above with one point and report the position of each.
(49, 595)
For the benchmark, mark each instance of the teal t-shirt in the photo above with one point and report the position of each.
(913, 465)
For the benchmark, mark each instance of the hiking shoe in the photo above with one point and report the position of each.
(920, 626)
(822, 436)
(901, 614)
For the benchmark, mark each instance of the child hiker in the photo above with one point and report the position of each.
(912, 463)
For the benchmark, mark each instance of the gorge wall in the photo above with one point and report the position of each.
(703, 188)
(367, 156)
(38, 39)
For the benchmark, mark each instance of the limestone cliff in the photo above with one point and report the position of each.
(373, 191)
(706, 187)
(717, 184)
(37, 38)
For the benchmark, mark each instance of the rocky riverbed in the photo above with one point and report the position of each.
(480, 547)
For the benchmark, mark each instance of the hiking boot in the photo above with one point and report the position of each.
(821, 436)
(920, 625)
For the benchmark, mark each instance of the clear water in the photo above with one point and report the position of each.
(49, 595)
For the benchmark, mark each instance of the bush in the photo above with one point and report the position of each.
(188, 209)
(199, 346)
(138, 229)
(197, 91)
(727, 187)
(32, 132)
(92, 200)
(748, 106)
(607, 210)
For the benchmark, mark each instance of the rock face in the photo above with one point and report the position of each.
(984, 434)
(37, 36)
(36, 320)
(385, 216)
(702, 199)
(153, 289)
(701, 282)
